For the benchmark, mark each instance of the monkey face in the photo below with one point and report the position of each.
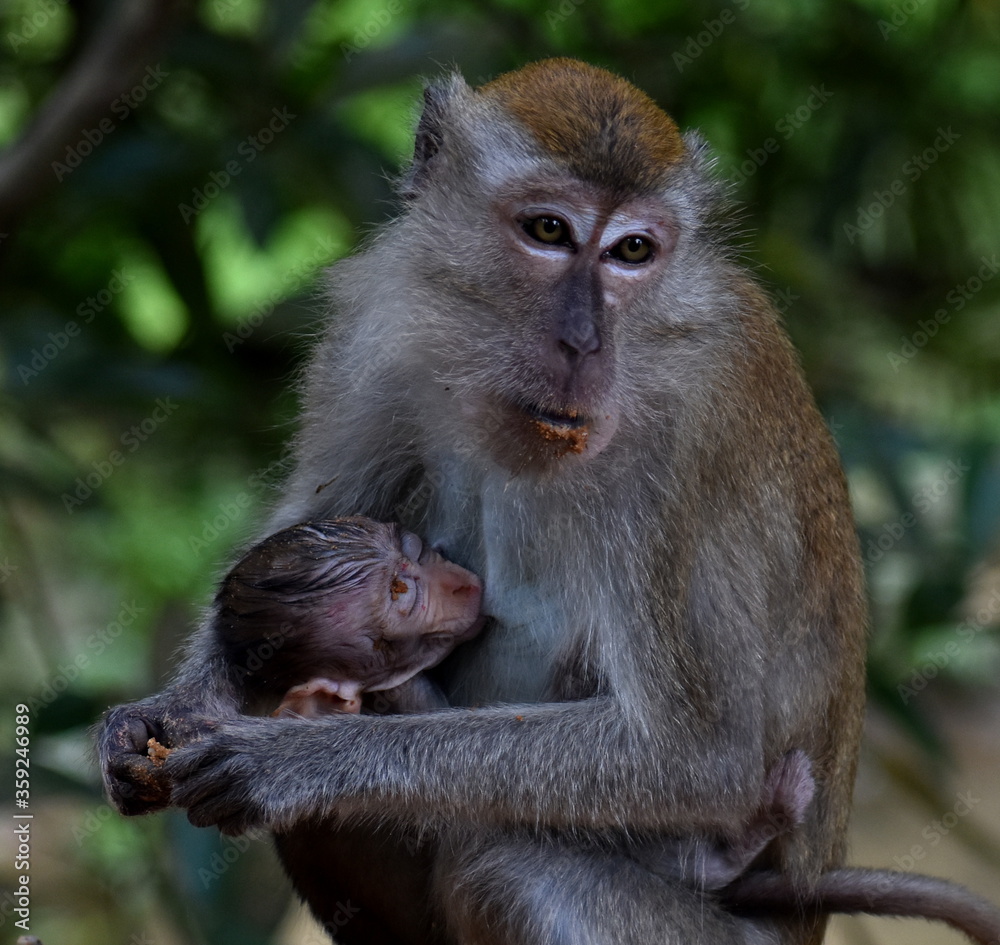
(555, 268)
(580, 263)
(542, 369)
(433, 604)
(351, 599)
(411, 609)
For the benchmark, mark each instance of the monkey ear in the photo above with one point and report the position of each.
(711, 192)
(700, 151)
(429, 140)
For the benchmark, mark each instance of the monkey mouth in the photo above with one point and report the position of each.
(565, 431)
(535, 438)
(560, 420)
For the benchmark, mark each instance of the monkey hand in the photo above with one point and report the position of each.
(242, 777)
(133, 742)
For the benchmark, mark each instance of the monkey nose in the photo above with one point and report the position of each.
(577, 340)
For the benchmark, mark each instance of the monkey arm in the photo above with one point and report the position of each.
(505, 766)
(207, 688)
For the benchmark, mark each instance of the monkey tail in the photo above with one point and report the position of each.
(876, 892)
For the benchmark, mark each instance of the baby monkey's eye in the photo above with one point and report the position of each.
(550, 230)
(404, 594)
(633, 249)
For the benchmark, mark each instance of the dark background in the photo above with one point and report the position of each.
(173, 179)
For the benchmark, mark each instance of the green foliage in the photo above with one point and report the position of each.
(157, 298)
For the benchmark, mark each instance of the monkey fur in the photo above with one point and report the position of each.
(322, 598)
(552, 367)
(355, 602)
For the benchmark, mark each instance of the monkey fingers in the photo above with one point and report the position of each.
(137, 785)
(233, 779)
(133, 742)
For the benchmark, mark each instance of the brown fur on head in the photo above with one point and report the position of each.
(601, 126)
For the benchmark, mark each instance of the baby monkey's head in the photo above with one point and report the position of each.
(350, 599)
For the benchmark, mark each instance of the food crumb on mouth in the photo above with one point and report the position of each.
(572, 439)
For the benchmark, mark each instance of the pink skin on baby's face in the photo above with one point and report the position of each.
(405, 617)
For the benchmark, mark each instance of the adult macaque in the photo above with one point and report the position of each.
(551, 367)
(342, 608)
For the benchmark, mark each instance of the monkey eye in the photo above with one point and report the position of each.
(398, 588)
(404, 593)
(549, 230)
(632, 249)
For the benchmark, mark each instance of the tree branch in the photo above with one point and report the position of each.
(120, 49)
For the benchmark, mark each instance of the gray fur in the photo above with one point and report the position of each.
(672, 614)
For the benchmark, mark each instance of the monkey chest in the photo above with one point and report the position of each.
(493, 532)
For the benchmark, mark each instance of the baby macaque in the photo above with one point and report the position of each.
(319, 613)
